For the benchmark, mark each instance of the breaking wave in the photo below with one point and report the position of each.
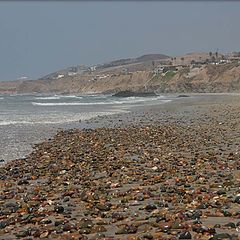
(129, 100)
(5, 123)
(70, 96)
(57, 97)
(48, 98)
(63, 104)
(57, 119)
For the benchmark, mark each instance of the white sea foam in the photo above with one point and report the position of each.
(129, 100)
(70, 96)
(62, 104)
(1, 98)
(79, 103)
(98, 96)
(48, 98)
(5, 123)
(166, 100)
(56, 119)
(57, 97)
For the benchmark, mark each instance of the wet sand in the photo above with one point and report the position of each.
(163, 172)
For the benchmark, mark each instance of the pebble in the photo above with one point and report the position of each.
(221, 236)
(23, 182)
(127, 229)
(86, 223)
(185, 235)
(230, 225)
(146, 181)
(59, 209)
(237, 200)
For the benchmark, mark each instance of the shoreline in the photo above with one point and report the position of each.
(160, 112)
(129, 115)
(160, 172)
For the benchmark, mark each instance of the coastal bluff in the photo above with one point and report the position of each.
(149, 73)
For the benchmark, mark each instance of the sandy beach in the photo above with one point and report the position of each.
(167, 171)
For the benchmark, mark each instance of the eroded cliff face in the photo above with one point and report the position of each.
(210, 78)
(207, 78)
(87, 83)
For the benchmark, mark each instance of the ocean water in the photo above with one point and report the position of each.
(28, 119)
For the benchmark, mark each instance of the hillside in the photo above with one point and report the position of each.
(143, 74)
(127, 62)
(209, 78)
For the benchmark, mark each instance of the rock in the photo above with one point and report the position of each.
(165, 226)
(86, 223)
(237, 200)
(221, 192)
(23, 234)
(99, 236)
(44, 234)
(66, 199)
(199, 229)
(211, 231)
(134, 94)
(97, 229)
(4, 224)
(238, 224)
(226, 213)
(150, 207)
(176, 225)
(23, 182)
(68, 227)
(127, 229)
(185, 235)
(2, 197)
(147, 236)
(35, 232)
(197, 222)
(58, 223)
(202, 206)
(230, 225)
(220, 236)
(85, 231)
(160, 218)
(182, 96)
(59, 209)
(46, 221)
(103, 207)
(118, 216)
(10, 207)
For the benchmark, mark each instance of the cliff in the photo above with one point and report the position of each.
(137, 76)
(209, 78)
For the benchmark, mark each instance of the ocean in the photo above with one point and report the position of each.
(28, 119)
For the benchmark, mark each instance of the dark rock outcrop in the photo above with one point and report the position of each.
(134, 94)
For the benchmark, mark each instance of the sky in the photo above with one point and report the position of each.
(40, 37)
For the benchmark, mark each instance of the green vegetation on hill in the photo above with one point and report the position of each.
(168, 75)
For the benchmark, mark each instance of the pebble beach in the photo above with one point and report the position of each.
(160, 172)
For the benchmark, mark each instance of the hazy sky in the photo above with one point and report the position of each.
(37, 38)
